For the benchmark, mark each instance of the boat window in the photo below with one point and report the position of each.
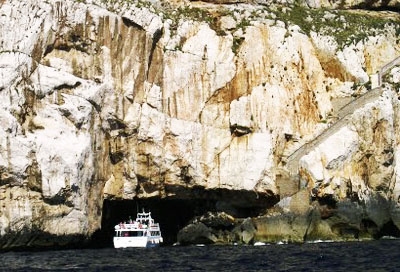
(130, 233)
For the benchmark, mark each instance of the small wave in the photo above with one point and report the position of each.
(320, 241)
(389, 238)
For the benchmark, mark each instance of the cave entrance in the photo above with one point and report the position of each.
(173, 214)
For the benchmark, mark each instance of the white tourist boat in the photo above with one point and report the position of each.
(142, 232)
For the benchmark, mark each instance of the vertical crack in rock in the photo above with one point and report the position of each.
(155, 39)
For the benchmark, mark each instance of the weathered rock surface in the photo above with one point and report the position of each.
(120, 101)
(208, 229)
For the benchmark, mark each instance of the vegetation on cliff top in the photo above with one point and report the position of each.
(346, 26)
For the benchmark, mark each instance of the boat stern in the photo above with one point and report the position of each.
(125, 242)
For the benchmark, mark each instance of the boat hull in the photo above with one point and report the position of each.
(145, 241)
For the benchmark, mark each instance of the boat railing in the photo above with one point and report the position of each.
(155, 227)
(139, 226)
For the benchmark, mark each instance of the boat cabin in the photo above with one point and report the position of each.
(142, 232)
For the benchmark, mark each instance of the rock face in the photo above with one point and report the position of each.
(208, 229)
(114, 100)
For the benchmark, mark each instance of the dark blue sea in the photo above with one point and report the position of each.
(381, 255)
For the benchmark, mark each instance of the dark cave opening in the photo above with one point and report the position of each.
(173, 214)
(389, 229)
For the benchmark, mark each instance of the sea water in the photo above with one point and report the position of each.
(381, 255)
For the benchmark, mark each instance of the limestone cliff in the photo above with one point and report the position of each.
(195, 100)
